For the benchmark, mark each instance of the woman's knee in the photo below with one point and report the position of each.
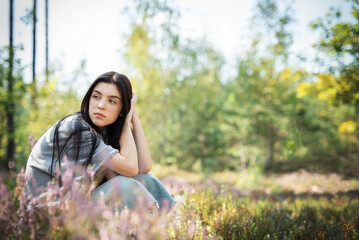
(146, 178)
(156, 188)
(126, 184)
(117, 185)
(124, 189)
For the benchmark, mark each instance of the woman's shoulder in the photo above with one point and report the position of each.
(73, 117)
(72, 122)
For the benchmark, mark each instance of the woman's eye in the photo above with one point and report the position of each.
(112, 101)
(96, 97)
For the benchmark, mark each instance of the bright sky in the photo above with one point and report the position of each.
(92, 29)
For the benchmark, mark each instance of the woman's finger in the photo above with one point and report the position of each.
(134, 98)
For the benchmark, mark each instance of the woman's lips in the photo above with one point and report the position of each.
(99, 115)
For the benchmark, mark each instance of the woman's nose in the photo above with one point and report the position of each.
(101, 105)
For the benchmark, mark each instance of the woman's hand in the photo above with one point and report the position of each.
(132, 112)
(126, 162)
(134, 99)
(143, 152)
(133, 107)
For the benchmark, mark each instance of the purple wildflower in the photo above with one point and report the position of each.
(11, 164)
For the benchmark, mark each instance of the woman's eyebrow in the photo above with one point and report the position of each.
(97, 91)
(111, 96)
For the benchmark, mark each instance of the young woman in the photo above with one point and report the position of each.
(107, 135)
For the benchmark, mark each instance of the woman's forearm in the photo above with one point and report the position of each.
(143, 152)
(125, 162)
(128, 145)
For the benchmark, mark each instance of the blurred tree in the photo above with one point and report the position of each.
(47, 41)
(263, 93)
(53, 104)
(150, 81)
(340, 84)
(197, 137)
(3, 106)
(197, 120)
(179, 88)
(12, 90)
(10, 102)
(33, 86)
(332, 98)
(341, 39)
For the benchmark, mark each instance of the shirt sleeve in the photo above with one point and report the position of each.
(102, 152)
(76, 149)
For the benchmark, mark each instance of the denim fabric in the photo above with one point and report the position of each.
(143, 189)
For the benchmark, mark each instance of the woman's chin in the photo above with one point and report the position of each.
(98, 124)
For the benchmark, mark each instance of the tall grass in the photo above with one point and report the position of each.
(206, 210)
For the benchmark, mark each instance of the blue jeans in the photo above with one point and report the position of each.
(143, 189)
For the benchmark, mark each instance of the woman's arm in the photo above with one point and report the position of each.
(143, 152)
(126, 162)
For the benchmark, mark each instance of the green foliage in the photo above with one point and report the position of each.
(30, 124)
(53, 105)
(317, 133)
(271, 115)
(182, 95)
(332, 118)
(197, 120)
(19, 90)
(3, 100)
(341, 40)
(197, 135)
(263, 102)
(272, 20)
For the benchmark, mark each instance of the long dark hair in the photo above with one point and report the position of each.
(113, 131)
(124, 86)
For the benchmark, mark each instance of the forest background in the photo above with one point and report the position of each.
(262, 146)
(271, 114)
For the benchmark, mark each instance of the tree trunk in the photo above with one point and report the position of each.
(270, 148)
(242, 155)
(47, 40)
(33, 87)
(10, 109)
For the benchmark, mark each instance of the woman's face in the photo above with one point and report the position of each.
(105, 104)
